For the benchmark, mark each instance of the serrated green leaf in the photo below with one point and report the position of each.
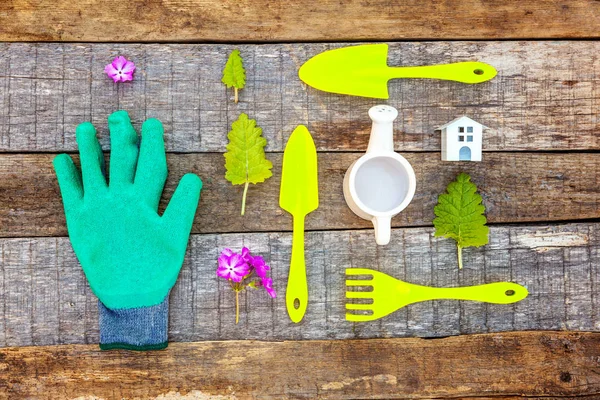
(245, 159)
(234, 74)
(460, 215)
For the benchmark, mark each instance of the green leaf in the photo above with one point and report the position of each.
(460, 215)
(234, 74)
(245, 160)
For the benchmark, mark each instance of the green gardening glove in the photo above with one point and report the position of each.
(130, 254)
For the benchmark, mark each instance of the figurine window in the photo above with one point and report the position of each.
(469, 129)
(461, 129)
(461, 138)
(469, 138)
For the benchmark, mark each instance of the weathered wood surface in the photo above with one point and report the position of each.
(46, 299)
(544, 97)
(516, 187)
(548, 365)
(264, 20)
(542, 105)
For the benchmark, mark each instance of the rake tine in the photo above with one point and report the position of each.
(358, 282)
(359, 295)
(359, 318)
(359, 271)
(359, 307)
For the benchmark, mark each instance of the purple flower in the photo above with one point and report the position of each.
(227, 252)
(246, 255)
(259, 265)
(120, 70)
(238, 268)
(268, 284)
(232, 267)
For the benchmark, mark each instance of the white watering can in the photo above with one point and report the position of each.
(381, 183)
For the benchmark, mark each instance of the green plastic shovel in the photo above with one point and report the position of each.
(363, 71)
(299, 195)
(389, 294)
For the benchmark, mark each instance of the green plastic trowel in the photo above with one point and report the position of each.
(299, 195)
(363, 71)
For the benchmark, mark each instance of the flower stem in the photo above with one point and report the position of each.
(237, 306)
(235, 95)
(460, 264)
(244, 198)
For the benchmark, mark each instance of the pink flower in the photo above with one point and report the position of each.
(120, 70)
(227, 252)
(238, 268)
(246, 255)
(232, 267)
(268, 284)
(259, 266)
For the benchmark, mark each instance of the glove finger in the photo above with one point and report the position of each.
(181, 210)
(152, 163)
(123, 148)
(91, 158)
(69, 181)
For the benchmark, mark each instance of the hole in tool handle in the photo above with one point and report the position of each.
(296, 303)
(478, 71)
(510, 292)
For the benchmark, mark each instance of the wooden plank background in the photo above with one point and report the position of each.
(553, 184)
(539, 181)
(541, 100)
(304, 20)
(544, 97)
(47, 299)
(543, 365)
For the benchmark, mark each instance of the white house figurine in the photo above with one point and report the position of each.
(462, 140)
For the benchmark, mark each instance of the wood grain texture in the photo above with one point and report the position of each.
(47, 299)
(548, 365)
(516, 187)
(263, 20)
(544, 97)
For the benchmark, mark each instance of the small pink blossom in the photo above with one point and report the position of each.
(120, 70)
(238, 269)
(232, 267)
(268, 284)
(246, 255)
(227, 252)
(259, 266)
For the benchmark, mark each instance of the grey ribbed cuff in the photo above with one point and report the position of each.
(144, 328)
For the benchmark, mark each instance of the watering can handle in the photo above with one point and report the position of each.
(382, 131)
(383, 229)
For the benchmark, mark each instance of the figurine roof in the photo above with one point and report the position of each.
(454, 121)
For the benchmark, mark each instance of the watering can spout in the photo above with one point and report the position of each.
(382, 131)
